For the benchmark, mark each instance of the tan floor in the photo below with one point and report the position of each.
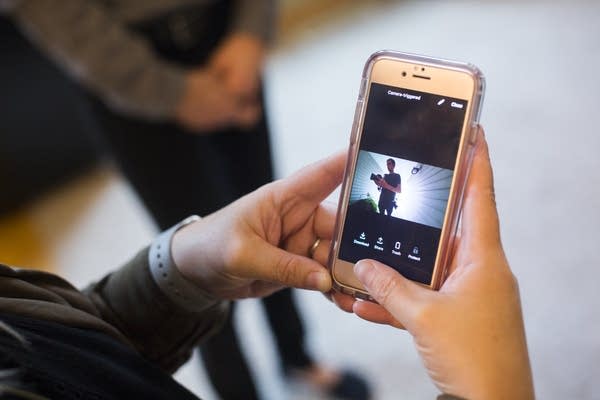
(21, 243)
(30, 236)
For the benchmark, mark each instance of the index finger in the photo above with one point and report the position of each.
(366, 310)
(324, 222)
(480, 218)
(261, 260)
(375, 313)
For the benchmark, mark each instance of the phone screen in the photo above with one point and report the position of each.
(399, 193)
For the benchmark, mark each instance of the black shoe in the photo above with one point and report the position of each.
(351, 386)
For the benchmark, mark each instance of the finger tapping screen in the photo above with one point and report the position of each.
(402, 179)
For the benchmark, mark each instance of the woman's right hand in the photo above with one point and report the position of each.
(470, 333)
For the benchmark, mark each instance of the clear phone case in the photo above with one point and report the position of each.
(461, 172)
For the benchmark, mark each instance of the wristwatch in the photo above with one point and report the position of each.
(165, 273)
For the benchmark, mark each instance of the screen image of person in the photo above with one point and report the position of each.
(390, 184)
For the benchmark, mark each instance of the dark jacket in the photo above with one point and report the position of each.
(126, 305)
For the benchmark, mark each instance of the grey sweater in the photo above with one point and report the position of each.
(89, 39)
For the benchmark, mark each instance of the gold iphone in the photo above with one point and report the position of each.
(410, 150)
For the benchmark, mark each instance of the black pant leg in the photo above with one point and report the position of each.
(226, 365)
(174, 173)
(245, 156)
(251, 156)
(288, 330)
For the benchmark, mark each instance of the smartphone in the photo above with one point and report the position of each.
(410, 150)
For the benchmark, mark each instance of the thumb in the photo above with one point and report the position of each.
(398, 295)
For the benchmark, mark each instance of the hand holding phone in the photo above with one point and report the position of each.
(470, 333)
(412, 136)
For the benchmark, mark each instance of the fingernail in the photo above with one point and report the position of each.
(362, 269)
(319, 280)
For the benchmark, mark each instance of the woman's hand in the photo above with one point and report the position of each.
(470, 333)
(261, 242)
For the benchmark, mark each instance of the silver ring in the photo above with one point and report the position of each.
(313, 248)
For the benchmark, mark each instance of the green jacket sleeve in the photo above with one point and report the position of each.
(125, 304)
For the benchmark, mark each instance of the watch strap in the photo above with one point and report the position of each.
(167, 276)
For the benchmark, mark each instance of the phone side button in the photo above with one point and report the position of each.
(362, 89)
(473, 133)
(356, 122)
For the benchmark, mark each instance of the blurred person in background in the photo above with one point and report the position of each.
(175, 88)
